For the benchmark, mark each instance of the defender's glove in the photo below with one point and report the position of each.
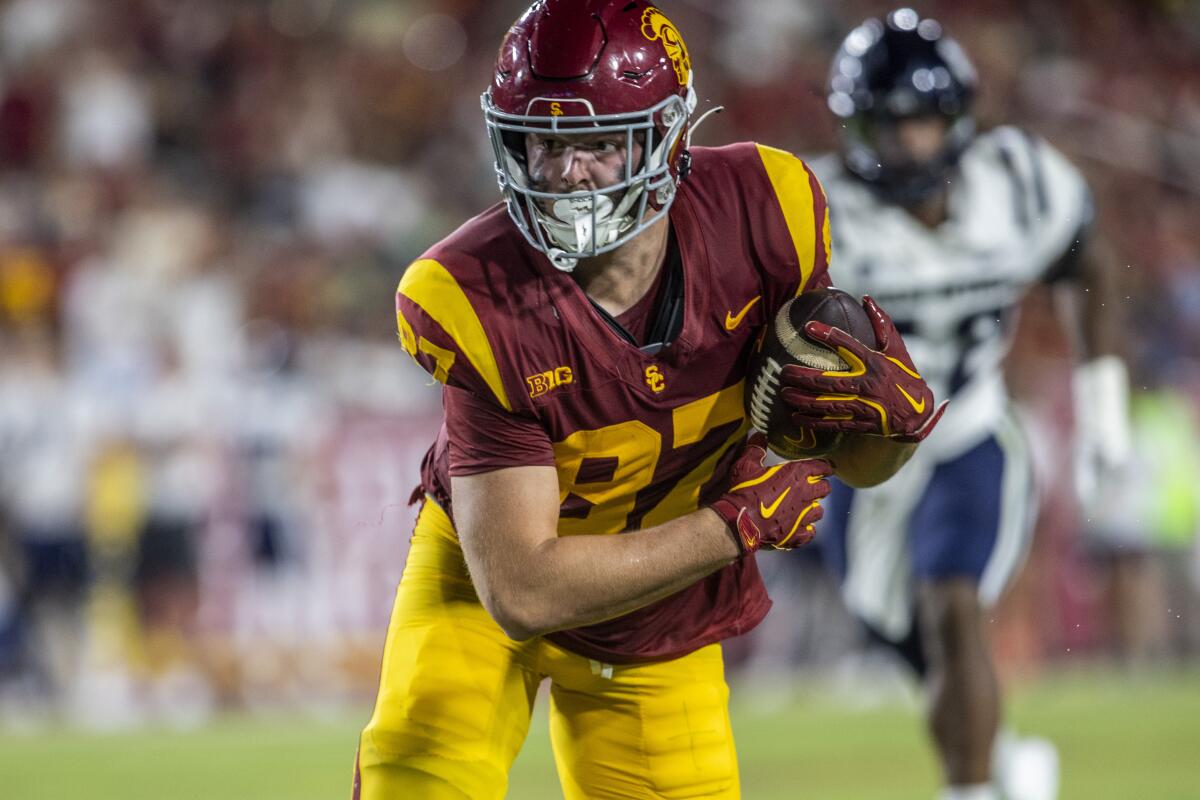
(772, 506)
(1103, 434)
(880, 393)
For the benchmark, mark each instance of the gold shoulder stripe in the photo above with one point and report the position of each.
(789, 178)
(431, 286)
(825, 242)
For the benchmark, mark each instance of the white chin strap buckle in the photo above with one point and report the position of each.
(561, 260)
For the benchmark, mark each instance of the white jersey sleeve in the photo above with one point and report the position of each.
(1051, 202)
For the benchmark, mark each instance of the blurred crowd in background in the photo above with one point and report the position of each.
(209, 435)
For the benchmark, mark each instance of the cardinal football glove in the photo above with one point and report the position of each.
(880, 392)
(772, 506)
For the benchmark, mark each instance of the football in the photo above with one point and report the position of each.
(782, 342)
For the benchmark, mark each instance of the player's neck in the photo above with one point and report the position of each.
(618, 279)
(932, 211)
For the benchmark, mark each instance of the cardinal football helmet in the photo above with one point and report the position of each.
(591, 66)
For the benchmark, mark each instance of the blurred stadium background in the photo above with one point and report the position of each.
(208, 434)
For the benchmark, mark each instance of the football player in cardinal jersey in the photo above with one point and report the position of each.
(591, 505)
(948, 229)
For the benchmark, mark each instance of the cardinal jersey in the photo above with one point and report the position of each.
(636, 439)
(1017, 207)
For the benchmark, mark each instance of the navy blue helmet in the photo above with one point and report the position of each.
(889, 70)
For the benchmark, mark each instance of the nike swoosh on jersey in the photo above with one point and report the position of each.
(767, 511)
(918, 407)
(731, 321)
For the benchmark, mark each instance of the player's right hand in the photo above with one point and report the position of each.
(772, 506)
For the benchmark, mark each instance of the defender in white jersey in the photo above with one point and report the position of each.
(947, 230)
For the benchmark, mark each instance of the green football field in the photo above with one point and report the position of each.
(1119, 738)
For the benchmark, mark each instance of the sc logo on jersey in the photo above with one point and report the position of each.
(655, 379)
(549, 380)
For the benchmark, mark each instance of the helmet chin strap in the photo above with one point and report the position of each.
(570, 223)
(561, 260)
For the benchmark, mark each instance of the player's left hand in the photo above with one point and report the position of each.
(881, 393)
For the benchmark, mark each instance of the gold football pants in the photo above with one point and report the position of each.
(456, 694)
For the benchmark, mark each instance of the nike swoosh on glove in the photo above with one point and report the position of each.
(880, 393)
(772, 506)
